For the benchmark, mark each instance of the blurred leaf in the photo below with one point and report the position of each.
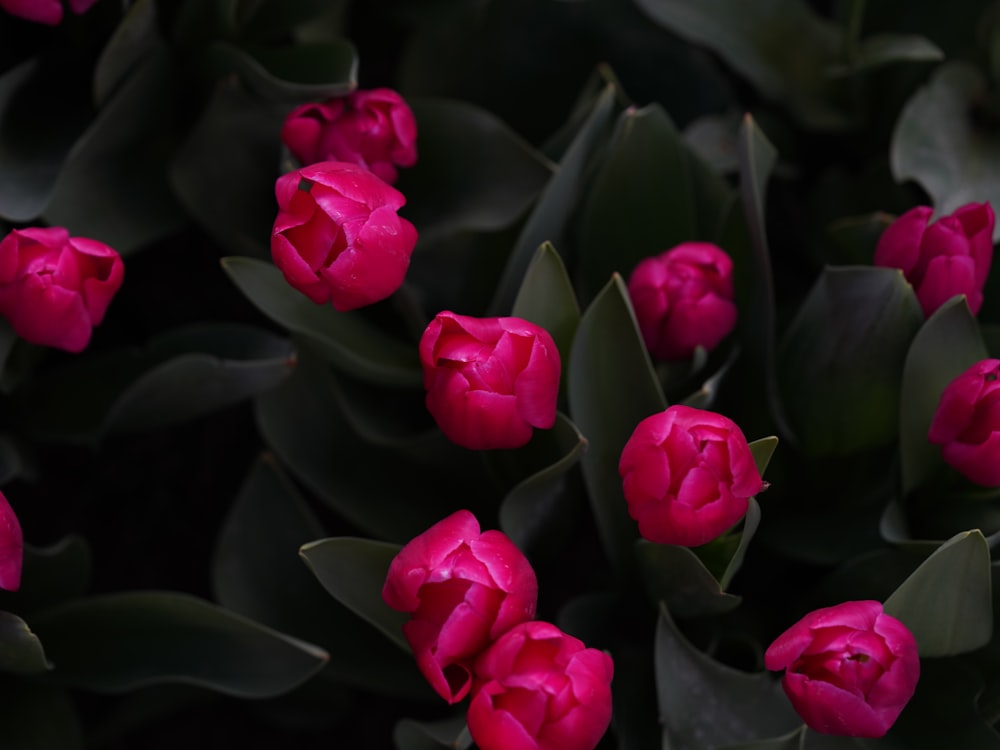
(292, 73)
(939, 143)
(650, 194)
(38, 717)
(611, 388)
(531, 505)
(353, 571)
(946, 602)
(848, 342)
(347, 340)
(707, 704)
(946, 345)
(20, 650)
(712, 138)
(257, 572)
(546, 298)
(474, 173)
(854, 238)
(551, 215)
(224, 171)
(50, 576)
(430, 735)
(136, 37)
(118, 642)
(274, 19)
(791, 741)
(782, 46)
(882, 49)
(677, 577)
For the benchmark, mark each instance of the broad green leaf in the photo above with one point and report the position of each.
(939, 143)
(946, 602)
(646, 198)
(946, 345)
(293, 73)
(347, 340)
(782, 46)
(353, 571)
(848, 342)
(133, 40)
(118, 642)
(432, 735)
(704, 703)
(611, 388)
(762, 451)
(549, 219)
(20, 650)
(882, 49)
(546, 298)
(257, 572)
(38, 717)
(533, 504)
(677, 577)
(224, 171)
(474, 173)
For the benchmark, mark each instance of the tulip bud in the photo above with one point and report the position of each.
(338, 237)
(538, 688)
(967, 423)
(489, 380)
(687, 476)
(55, 288)
(951, 256)
(683, 299)
(374, 129)
(49, 12)
(464, 589)
(849, 669)
(11, 547)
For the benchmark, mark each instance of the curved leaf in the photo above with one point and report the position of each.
(293, 73)
(677, 577)
(20, 650)
(546, 298)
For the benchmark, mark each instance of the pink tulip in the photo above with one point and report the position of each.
(489, 381)
(464, 589)
(374, 129)
(49, 12)
(338, 238)
(55, 288)
(967, 423)
(11, 547)
(951, 256)
(683, 299)
(540, 689)
(849, 669)
(687, 476)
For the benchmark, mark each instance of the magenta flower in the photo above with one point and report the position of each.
(489, 381)
(49, 12)
(464, 589)
(687, 476)
(849, 669)
(540, 689)
(374, 129)
(951, 256)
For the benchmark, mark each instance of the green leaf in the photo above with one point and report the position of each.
(782, 46)
(848, 342)
(353, 571)
(549, 219)
(474, 173)
(347, 340)
(274, 19)
(50, 576)
(20, 650)
(611, 388)
(136, 35)
(939, 144)
(118, 642)
(546, 298)
(946, 602)
(707, 704)
(431, 735)
(791, 741)
(750, 524)
(883, 49)
(677, 577)
(946, 345)
(854, 238)
(38, 717)
(646, 198)
(293, 73)
(762, 451)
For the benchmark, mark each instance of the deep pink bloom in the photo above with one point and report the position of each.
(967, 423)
(683, 298)
(687, 475)
(540, 689)
(55, 288)
(464, 589)
(374, 129)
(849, 669)
(489, 380)
(951, 256)
(11, 547)
(338, 237)
(49, 12)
